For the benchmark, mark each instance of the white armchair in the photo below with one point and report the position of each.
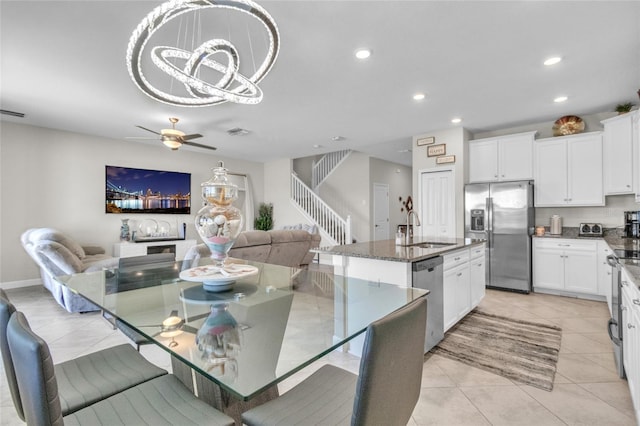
(57, 254)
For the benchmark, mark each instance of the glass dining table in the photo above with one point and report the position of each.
(237, 345)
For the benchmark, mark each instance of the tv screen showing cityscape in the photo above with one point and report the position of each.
(129, 190)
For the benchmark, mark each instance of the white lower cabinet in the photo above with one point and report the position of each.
(604, 272)
(565, 265)
(631, 339)
(456, 287)
(477, 275)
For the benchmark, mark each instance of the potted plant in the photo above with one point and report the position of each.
(624, 108)
(264, 221)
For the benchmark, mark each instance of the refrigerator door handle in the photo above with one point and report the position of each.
(489, 210)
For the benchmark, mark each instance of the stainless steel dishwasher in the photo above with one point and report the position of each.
(427, 274)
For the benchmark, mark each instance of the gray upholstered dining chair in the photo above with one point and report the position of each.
(163, 400)
(384, 393)
(84, 380)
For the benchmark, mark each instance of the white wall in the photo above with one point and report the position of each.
(56, 179)
(347, 191)
(455, 140)
(399, 179)
(277, 191)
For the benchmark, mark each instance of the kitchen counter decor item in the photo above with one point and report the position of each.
(556, 225)
(219, 223)
(568, 125)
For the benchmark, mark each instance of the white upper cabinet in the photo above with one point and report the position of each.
(618, 155)
(502, 158)
(568, 171)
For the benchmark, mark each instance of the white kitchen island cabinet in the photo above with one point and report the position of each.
(456, 285)
(565, 266)
(501, 158)
(568, 171)
(477, 274)
(631, 338)
(618, 149)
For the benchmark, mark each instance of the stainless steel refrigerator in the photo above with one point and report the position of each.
(502, 214)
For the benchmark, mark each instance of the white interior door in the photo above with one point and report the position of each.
(437, 204)
(380, 211)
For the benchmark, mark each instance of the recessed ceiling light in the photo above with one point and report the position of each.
(456, 120)
(560, 99)
(402, 151)
(317, 146)
(552, 61)
(337, 138)
(363, 53)
(418, 96)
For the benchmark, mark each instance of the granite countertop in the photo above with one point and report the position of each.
(388, 250)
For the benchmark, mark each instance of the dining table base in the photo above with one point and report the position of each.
(211, 393)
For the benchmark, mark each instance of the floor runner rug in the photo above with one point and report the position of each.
(521, 351)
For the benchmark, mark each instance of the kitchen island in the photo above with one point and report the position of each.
(453, 270)
(387, 262)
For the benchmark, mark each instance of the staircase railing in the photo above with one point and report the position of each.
(337, 228)
(323, 168)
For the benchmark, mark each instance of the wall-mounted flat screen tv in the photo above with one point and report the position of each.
(129, 190)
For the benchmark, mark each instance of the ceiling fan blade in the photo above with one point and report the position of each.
(197, 145)
(197, 317)
(192, 136)
(149, 130)
(140, 138)
(189, 329)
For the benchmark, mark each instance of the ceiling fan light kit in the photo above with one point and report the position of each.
(174, 138)
(232, 86)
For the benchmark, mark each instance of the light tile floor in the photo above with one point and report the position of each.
(587, 390)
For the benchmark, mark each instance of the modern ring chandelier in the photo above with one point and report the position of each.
(232, 85)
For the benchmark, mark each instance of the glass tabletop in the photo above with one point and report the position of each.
(267, 326)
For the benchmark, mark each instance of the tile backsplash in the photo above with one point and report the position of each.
(611, 215)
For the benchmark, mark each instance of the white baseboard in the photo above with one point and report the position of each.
(21, 283)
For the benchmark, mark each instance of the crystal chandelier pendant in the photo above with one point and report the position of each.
(232, 85)
(219, 223)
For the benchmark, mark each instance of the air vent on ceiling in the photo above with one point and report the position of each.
(237, 131)
(11, 113)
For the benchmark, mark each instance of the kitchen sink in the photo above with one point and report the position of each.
(435, 245)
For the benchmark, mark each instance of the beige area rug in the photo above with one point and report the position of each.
(522, 351)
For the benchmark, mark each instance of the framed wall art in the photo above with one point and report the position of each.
(436, 150)
(426, 141)
(444, 159)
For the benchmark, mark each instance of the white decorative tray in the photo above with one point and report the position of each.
(214, 278)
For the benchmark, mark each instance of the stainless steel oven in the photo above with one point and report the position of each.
(614, 328)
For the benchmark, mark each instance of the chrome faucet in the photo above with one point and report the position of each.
(416, 219)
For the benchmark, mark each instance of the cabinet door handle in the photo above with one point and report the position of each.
(564, 245)
(628, 186)
(456, 258)
(631, 326)
(636, 301)
(459, 274)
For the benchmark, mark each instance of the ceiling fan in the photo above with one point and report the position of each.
(174, 138)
